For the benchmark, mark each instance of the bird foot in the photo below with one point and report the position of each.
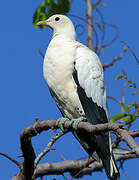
(60, 123)
(75, 122)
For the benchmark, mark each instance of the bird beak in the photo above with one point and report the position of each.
(44, 23)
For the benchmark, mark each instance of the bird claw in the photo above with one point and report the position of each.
(60, 123)
(75, 122)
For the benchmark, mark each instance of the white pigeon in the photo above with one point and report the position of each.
(74, 75)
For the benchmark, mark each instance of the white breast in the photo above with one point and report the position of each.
(58, 68)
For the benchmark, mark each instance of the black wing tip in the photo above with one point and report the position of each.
(112, 172)
(115, 176)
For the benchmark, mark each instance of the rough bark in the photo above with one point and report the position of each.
(77, 168)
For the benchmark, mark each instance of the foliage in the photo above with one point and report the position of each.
(131, 83)
(49, 8)
(132, 109)
(128, 118)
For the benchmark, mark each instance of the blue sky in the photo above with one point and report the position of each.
(24, 94)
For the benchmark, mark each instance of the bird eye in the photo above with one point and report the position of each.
(57, 19)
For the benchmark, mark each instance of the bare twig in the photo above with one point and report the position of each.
(96, 4)
(40, 52)
(96, 39)
(89, 21)
(131, 51)
(125, 173)
(115, 37)
(90, 24)
(117, 58)
(125, 136)
(124, 90)
(64, 177)
(114, 99)
(86, 164)
(81, 27)
(79, 17)
(11, 159)
(103, 29)
(48, 147)
(116, 143)
(134, 133)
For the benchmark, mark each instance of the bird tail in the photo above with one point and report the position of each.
(108, 160)
(110, 165)
(111, 168)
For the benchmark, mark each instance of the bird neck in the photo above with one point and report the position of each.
(67, 32)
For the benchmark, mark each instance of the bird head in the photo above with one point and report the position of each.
(60, 24)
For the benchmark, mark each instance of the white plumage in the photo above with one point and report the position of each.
(74, 75)
(58, 68)
(90, 75)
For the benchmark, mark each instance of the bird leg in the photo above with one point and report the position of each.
(60, 123)
(75, 122)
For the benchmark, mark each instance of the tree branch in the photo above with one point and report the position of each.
(48, 147)
(125, 136)
(11, 159)
(124, 90)
(134, 133)
(115, 37)
(27, 171)
(114, 99)
(131, 51)
(103, 30)
(75, 166)
(96, 4)
(117, 58)
(89, 21)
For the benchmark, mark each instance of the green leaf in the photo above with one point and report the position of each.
(49, 8)
(40, 14)
(126, 108)
(136, 105)
(117, 117)
(129, 119)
